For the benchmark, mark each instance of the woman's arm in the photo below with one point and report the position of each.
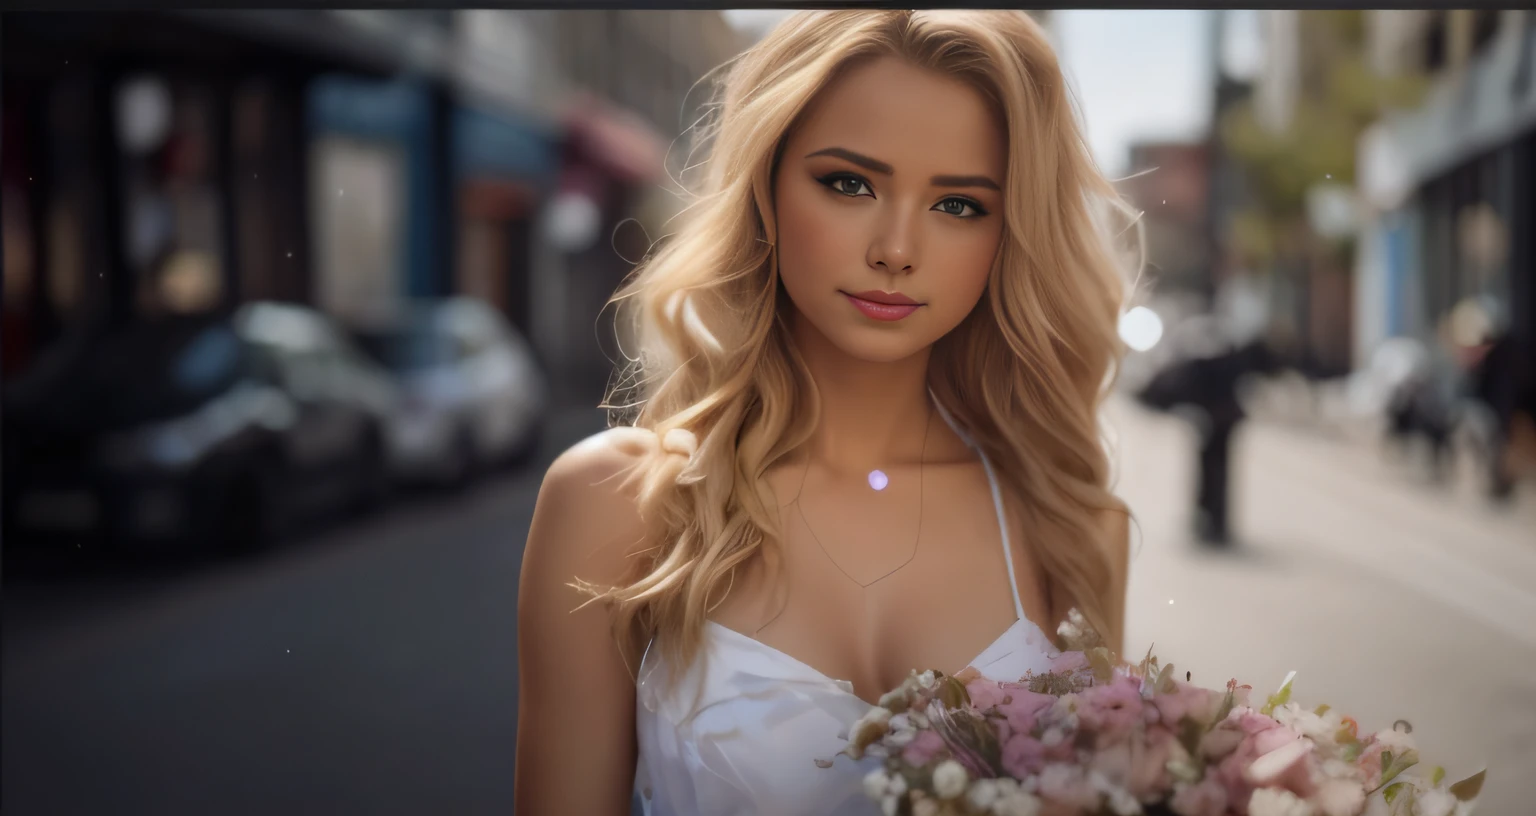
(576, 699)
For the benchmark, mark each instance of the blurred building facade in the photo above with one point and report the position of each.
(1449, 187)
(187, 161)
(1170, 186)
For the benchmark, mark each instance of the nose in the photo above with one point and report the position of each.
(893, 249)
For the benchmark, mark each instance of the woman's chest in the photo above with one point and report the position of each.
(869, 596)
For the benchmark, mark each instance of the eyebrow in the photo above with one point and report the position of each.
(877, 166)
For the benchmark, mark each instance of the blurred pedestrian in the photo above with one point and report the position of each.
(1501, 382)
(1203, 384)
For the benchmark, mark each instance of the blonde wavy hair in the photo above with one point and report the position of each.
(1025, 372)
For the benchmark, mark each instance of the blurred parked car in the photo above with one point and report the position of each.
(474, 394)
(206, 431)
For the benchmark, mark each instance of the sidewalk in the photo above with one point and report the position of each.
(1322, 412)
(1390, 600)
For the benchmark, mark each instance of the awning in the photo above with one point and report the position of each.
(615, 140)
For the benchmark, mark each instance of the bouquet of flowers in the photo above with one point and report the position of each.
(1094, 736)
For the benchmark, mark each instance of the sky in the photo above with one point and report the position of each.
(1137, 75)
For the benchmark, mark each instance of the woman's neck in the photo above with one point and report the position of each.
(873, 415)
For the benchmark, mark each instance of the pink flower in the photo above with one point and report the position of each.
(1186, 701)
(985, 693)
(1263, 736)
(1207, 798)
(1112, 709)
(923, 748)
(1022, 755)
(1023, 709)
(1287, 766)
(1149, 763)
(1251, 722)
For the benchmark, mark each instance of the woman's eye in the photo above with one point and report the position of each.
(959, 206)
(847, 185)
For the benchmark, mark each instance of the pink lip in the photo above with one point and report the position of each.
(888, 298)
(881, 311)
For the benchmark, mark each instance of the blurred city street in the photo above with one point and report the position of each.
(371, 669)
(297, 305)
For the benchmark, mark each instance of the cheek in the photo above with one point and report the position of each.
(810, 241)
(969, 259)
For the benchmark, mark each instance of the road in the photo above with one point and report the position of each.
(371, 669)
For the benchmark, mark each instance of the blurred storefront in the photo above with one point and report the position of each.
(1450, 187)
(610, 160)
(375, 140)
(157, 162)
(505, 169)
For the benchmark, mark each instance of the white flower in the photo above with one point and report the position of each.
(925, 807)
(889, 805)
(919, 720)
(1342, 797)
(902, 738)
(1017, 804)
(1272, 765)
(1339, 769)
(1395, 741)
(1436, 803)
(1052, 737)
(897, 785)
(1063, 707)
(1007, 787)
(876, 716)
(982, 794)
(949, 779)
(899, 722)
(876, 784)
(927, 679)
(1318, 728)
(1277, 802)
(1120, 800)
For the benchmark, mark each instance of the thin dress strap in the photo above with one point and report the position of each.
(997, 502)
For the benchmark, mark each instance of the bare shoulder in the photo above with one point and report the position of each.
(587, 505)
(576, 741)
(602, 455)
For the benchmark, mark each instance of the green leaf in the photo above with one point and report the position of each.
(1280, 697)
(1190, 733)
(1470, 788)
(1392, 766)
(1103, 665)
(1392, 791)
(1437, 777)
(1227, 704)
(1351, 751)
(1322, 709)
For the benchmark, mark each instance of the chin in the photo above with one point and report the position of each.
(878, 346)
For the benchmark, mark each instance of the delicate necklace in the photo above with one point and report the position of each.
(877, 480)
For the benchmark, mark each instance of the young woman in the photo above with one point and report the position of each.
(867, 441)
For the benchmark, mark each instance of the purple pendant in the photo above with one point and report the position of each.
(878, 480)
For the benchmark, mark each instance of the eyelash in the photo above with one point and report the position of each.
(830, 182)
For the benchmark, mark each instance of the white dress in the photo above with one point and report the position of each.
(746, 739)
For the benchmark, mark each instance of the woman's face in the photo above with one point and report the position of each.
(889, 206)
